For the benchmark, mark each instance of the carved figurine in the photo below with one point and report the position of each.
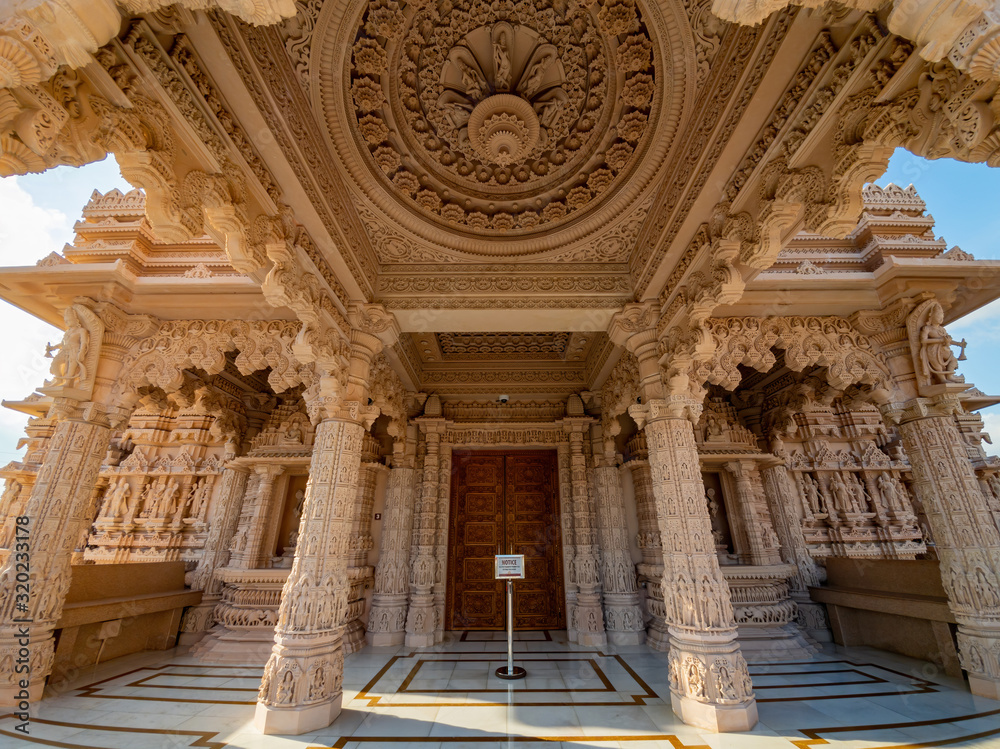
(812, 493)
(118, 500)
(501, 57)
(843, 498)
(533, 77)
(69, 363)
(937, 361)
(286, 688)
(10, 494)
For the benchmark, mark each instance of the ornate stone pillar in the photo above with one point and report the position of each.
(751, 510)
(786, 504)
(709, 681)
(387, 620)
(252, 553)
(302, 687)
(421, 619)
(360, 574)
(86, 409)
(52, 519)
(919, 355)
(216, 552)
(651, 568)
(569, 544)
(441, 555)
(967, 539)
(622, 614)
(710, 685)
(587, 618)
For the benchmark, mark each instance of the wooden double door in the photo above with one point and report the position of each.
(504, 503)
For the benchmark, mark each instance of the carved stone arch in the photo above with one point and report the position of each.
(161, 359)
(620, 391)
(847, 355)
(388, 394)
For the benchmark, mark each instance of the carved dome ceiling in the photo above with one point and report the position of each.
(499, 129)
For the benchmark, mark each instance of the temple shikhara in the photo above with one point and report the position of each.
(406, 284)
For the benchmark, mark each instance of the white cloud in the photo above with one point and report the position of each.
(28, 232)
(37, 213)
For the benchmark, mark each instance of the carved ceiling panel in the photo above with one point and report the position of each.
(526, 121)
(482, 360)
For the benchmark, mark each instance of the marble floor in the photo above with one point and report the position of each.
(448, 697)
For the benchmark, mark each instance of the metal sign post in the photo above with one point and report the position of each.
(510, 567)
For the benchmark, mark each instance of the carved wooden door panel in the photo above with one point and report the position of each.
(476, 532)
(504, 503)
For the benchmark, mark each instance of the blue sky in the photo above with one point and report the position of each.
(37, 213)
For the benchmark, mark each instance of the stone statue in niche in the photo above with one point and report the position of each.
(501, 56)
(150, 499)
(936, 357)
(534, 76)
(10, 494)
(286, 689)
(472, 79)
(74, 359)
(167, 506)
(117, 505)
(934, 360)
(197, 499)
(549, 106)
(843, 498)
(455, 108)
(812, 493)
(294, 433)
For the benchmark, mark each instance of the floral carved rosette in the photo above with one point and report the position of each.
(502, 117)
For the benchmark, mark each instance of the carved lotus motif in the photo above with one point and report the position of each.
(502, 111)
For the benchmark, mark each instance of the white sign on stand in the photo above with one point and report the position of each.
(509, 566)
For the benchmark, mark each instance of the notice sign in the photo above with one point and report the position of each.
(510, 567)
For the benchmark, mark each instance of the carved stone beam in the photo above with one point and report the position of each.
(38, 37)
(964, 32)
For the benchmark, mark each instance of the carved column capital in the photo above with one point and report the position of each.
(634, 326)
(945, 403)
(680, 406)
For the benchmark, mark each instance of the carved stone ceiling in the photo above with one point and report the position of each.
(499, 154)
(488, 132)
(548, 363)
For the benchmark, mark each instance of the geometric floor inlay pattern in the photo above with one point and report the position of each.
(448, 697)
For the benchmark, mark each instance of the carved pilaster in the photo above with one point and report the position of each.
(360, 574)
(651, 568)
(387, 620)
(622, 614)
(750, 511)
(587, 617)
(568, 537)
(421, 619)
(785, 504)
(251, 551)
(709, 682)
(441, 540)
(216, 552)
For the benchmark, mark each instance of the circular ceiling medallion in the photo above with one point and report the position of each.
(503, 117)
(503, 129)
